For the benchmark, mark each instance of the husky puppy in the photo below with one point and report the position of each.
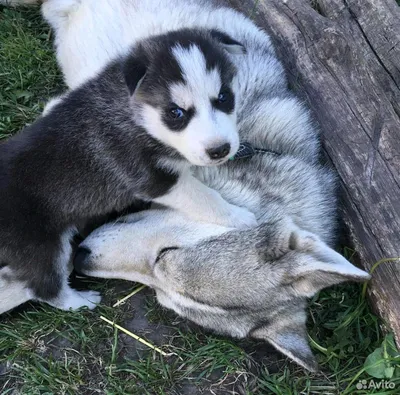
(131, 133)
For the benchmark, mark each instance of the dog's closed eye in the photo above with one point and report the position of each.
(163, 251)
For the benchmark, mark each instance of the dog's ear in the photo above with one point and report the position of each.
(229, 44)
(290, 340)
(272, 238)
(320, 266)
(134, 69)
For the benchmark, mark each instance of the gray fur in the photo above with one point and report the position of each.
(251, 282)
(242, 283)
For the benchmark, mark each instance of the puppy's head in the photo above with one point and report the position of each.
(181, 92)
(242, 283)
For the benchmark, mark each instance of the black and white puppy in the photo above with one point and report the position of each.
(131, 133)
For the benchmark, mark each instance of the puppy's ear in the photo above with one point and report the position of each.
(229, 44)
(290, 340)
(134, 69)
(320, 266)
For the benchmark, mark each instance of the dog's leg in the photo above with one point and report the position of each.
(44, 278)
(12, 291)
(204, 204)
(70, 298)
(49, 280)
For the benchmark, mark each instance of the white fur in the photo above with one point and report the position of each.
(52, 103)
(150, 232)
(201, 203)
(129, 250)
(109, 31)
(197, 78)
(12, 291)
(209, 128)
(131, 21)
(72, 299)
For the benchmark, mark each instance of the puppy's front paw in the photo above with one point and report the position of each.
(92, 298)
(240, 218)
(72, 299)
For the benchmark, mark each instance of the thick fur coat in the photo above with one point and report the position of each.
(252, 282)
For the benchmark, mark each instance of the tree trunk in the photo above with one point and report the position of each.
(344, 55)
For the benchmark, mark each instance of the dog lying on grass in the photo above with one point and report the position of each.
(252, 282)
(238, 282)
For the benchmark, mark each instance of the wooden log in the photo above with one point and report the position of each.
(344, 55)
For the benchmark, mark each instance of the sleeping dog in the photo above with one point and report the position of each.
(241, 283)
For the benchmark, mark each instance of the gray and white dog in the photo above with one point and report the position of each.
(252, 282)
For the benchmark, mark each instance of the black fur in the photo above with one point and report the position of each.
(223, 38)
(87, 158)
(163, 64)
(176, 125)
(162, 69)
(134, 69)
(228, 105)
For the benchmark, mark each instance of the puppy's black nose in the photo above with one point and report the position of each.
(80, 260)
(219, 152)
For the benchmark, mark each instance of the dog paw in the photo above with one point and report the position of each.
(72, 299)
(240, 218)
(91, 298)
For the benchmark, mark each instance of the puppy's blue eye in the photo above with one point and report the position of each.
(176, 113)
(222, 97)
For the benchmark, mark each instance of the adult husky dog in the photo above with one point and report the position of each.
(251, 282)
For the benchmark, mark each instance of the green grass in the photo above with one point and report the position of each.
(48, 351)
(28, 72)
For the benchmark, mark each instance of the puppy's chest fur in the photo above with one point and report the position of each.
(86, 157)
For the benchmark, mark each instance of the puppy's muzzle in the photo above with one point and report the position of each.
(219, 152)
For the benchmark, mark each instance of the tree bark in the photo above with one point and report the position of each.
(344, 56)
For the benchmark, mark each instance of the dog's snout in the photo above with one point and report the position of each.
(219, 152)
(81, 258)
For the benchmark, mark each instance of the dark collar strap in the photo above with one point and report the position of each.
(246, 150)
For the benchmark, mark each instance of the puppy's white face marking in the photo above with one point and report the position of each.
(209, 127)
(200, 84)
